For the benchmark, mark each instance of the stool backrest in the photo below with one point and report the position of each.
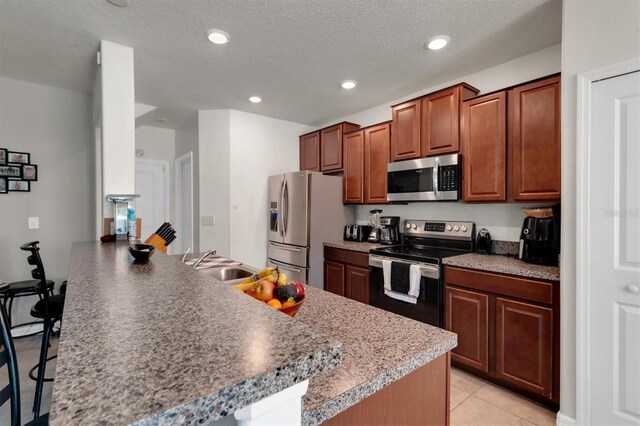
(8, 357)
(38, 272)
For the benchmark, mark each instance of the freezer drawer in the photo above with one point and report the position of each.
(294, 273)
(288, 254)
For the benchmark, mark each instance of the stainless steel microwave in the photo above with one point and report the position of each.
(425, 179)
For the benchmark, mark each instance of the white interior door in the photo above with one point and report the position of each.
(152, 183)
(613, 252)
(184, 203)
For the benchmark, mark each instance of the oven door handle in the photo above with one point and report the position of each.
(427, 271)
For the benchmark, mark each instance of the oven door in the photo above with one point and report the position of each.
(428, 309)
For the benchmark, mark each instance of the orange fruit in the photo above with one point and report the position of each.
(288, 303)
(275, 303)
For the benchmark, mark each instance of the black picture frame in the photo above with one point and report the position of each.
(25, 186)
(30, 172)
(12, 156)
(3, 156)
(5, 171)
(3, 185)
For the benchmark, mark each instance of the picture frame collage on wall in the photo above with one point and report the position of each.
(16, 171)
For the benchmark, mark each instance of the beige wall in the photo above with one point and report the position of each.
(187, 141)
(54, 126)
(595, 33)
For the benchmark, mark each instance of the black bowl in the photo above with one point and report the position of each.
(141, 252)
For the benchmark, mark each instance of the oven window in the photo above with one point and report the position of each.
(416, 180)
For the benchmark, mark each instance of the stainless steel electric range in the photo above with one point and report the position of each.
(425, 244)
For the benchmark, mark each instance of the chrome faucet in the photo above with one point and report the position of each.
(203, 257)
(183, 259)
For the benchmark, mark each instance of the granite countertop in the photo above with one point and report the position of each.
(161, 343)
(378, 348)
(363, 247)
(504, 265)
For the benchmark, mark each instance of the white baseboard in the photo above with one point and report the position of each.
(562, 420)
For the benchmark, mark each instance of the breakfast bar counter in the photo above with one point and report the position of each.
(162, 343)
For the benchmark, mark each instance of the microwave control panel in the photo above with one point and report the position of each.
(449, 178)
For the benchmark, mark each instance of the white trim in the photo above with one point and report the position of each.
(583, 143)
(178, 162)
(562, 420)
(167, 182)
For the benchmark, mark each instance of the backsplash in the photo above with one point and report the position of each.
(504, 221)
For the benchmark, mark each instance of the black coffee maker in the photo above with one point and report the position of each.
(390, 230)
(540, 239)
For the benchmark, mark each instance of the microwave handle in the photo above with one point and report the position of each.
(436, 173)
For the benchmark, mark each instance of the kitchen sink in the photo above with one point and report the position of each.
(229, 273)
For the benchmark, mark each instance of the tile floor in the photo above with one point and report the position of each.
(473, 400)
(477, 402)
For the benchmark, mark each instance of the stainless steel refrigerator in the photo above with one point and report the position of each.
(305, 210)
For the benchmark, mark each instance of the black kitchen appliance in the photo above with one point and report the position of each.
(389, 229)
(356, 232)
(483, 243)
(425, 244)
(540, 239)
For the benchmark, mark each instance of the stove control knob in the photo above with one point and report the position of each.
(456, 228)
(448, 227)
(413, 226)
(463, 229)
(408, 225)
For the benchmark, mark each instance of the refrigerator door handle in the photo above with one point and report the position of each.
(285, 217)
(285, 266)
(281, 209)
(285, 247)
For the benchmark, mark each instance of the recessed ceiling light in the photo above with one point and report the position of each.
(438, 42)
(217, 36)
(255, 99)
(348, 84)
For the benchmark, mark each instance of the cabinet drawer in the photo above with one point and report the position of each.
(347, 256)
(521, 288)
(288, 254)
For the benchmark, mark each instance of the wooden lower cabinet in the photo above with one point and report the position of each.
(357, 284)
(334, 277)
(524, 344)
(419, 398)
(508, 330)
(468, 316)
(346, 273)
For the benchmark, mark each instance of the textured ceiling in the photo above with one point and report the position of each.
(292, 53)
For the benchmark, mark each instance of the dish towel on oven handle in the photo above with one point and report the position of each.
(414, 283)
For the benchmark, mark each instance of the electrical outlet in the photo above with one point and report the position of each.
(34, 223)
(208, 220)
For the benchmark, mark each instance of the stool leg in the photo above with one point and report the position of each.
(10, 299)
(42, 364)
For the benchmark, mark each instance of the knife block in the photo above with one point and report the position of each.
(158, 242)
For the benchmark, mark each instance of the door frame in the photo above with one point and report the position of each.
(178, 164)
(167, 182)
(583, 283)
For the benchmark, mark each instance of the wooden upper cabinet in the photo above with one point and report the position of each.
(353, 180)
(331, 148)
(467, 314)
(376, 159)
(310, 152)
(405, 135)
(534, 140)
(441, 120)
(484, 132)
(524, 345)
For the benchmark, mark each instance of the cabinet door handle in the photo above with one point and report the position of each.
(283, 247)
(631, 288)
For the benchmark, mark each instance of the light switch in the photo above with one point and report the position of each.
(208, 220)
(34, 223)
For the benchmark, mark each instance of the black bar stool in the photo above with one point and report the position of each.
(49, 310)
(21, 289)
(11, 392)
